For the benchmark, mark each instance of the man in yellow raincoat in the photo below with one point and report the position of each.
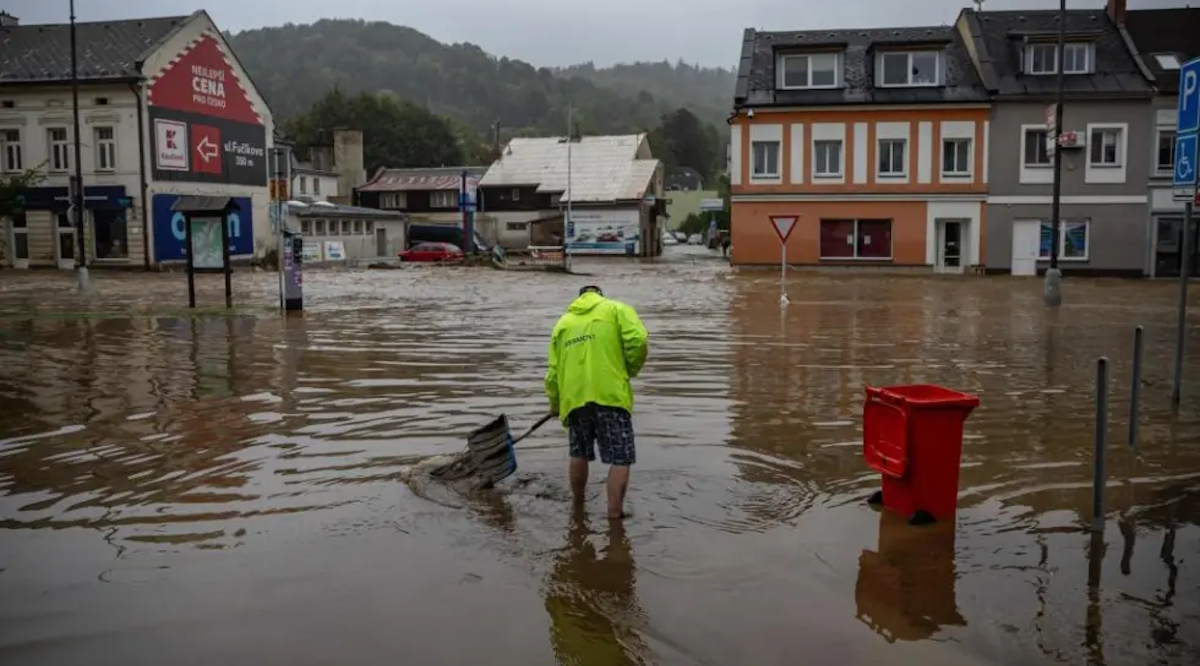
(596, 347)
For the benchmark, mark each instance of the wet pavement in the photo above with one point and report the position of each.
(238, 489)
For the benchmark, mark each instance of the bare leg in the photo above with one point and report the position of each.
(618, 483)
(578, 475)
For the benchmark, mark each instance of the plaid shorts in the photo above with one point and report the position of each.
(610, 427)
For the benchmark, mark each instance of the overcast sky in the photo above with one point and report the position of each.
(554, 32)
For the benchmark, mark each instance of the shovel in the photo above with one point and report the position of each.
(489, 457)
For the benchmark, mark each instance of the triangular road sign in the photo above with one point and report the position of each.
(783, 226)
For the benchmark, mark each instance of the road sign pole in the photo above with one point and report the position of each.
(1187, 154)
(783, 225)
(783, 299)
(1185, 270)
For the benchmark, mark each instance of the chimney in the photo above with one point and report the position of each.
(1116, 11)
(8, 20)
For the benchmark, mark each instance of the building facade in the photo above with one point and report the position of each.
(1107, 128)
(612, 186)
(165, 109)
(874, 140)
(1164, 39)
(432, 197)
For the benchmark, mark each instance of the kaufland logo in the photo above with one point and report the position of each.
(172, 145)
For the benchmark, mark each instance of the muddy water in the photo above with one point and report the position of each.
(232, 489)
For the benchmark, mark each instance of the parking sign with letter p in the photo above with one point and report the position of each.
(1189, 97)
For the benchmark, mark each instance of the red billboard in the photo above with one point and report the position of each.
(201, 81)
(205, 128)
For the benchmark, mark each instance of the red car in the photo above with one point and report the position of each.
(432, 253)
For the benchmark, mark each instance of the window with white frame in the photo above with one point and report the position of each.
(60, 155)
(827, 158)
(956, 157)
(893, 158)
(909, 68)
(1073, 237)
(1034, 152)
(317, 185)
(105, 142)
(393, 200)
(1078, 58)
(306, 227)
(10, 146)
(1164, 155)
(766, 159)
(303, 185)
(319, 227)
(443, 199)
(1104, 147)
(809, 70)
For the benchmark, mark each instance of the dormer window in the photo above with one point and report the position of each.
(808, 71)
(909, 69)
(1078, 58)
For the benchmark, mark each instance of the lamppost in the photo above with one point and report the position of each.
(76, 188)
(1052, 289)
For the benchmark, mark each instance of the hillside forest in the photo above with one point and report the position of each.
(423, 103)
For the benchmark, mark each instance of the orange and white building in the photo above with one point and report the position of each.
(876, 140)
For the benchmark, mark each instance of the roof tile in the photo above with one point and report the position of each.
(106, 50)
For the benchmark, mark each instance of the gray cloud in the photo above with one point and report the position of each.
(551, 32)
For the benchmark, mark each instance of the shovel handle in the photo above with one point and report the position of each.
(533, 427)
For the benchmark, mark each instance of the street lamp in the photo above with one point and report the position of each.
(76, 188)
(1052, 289)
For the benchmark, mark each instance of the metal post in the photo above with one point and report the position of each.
(226, 266)
(1098, 472)
(1052, 288)
(783, 299)
(1185, 269)
(77, 203)
(1135, 389)
(280, 205)
(570, 195)
(468, 237)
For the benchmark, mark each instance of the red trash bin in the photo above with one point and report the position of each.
(912, 435)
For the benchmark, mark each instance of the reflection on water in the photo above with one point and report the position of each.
(591, 599)
(905, 588)
(241, 487)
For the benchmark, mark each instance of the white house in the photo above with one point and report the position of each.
(613, 186)
(165, 110)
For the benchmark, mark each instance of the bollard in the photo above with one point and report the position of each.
(1135, 390)
(1101, 435)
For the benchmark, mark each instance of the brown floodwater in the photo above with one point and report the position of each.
(238, 489)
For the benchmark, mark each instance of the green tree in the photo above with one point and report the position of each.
(401, 134)
(13, 187)
(682, 140)
(293, 66)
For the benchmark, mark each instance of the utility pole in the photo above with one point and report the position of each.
(570, 195)
(76, 189)
(1052, 288)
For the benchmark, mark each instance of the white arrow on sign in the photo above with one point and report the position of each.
(207, 149)
(783, 226)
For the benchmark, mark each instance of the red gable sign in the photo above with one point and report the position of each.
(200, 80)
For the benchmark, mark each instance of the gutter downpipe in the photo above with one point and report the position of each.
(139, 91)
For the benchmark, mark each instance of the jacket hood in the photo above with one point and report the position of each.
(585, 303)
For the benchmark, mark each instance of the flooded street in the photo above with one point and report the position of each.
(236, 489)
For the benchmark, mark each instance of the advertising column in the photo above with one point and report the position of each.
(208, 139)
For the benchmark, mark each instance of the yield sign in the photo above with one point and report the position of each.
(783, 226)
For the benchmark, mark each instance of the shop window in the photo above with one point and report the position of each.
(856, 239)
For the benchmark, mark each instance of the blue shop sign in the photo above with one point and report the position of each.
(169, 232)
(96, 197)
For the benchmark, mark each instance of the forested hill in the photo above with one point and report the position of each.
(295, 65)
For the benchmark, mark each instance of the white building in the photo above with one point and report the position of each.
(613, 184)
(165, 110)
